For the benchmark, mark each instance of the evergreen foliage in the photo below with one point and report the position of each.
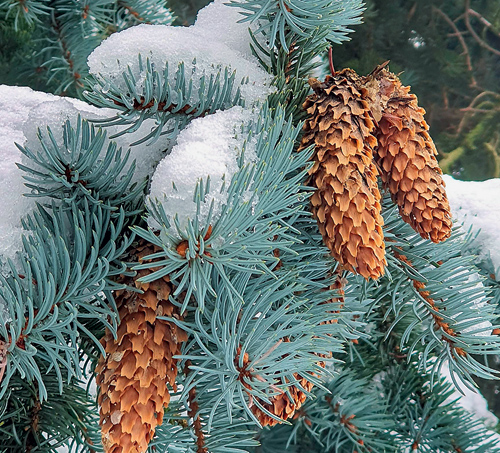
(268, 312)
(56, 37)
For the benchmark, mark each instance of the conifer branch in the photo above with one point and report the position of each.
(441, 325)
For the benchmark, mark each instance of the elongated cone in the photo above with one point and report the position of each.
(406, 156)
(139, 364)
(346, 203)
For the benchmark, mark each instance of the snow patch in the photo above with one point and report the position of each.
(482, 327)
(196, 48)
(22, 112)
(477, 205)
(220, 22)
(208, 147)
(472, 402)
(16, 103)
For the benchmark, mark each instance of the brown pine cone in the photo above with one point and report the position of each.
(281, 406)
(406, 156)
(346, 203)
(139, 364)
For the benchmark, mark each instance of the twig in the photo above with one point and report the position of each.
(433, 309)
(484, 21)
(330, 61)
(478, 39)
(472, 109)
(461, 39)
(193, 413)
(3, 359)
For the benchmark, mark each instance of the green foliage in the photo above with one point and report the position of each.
(56, 37)
(214, 93)
(299, 17)
(63, 419)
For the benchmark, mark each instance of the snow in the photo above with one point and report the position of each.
(477, 205)
(471, 401)
(15, 107)
(197, 48)
(53, 114)
(209, 146)
(482, 327)
(23, 111)
(218, 21)
(56, 112)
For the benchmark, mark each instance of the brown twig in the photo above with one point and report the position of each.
(479, 40)
(330, 61)
(471, 107)
(3, 359)
(461, 39)
(132, 12)
(434, 309)
(484, 21)
(66, 53)
(35, 420)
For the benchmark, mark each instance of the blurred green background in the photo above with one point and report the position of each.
(447, 50)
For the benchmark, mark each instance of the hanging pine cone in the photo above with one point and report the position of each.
(406, 156)
(346, 203)
(139, 364)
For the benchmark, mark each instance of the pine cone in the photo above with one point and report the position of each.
(281, 406)
(406, 156)
(346, 203)
(139, 364)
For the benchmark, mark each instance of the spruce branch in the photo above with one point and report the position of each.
(301, 17)
(451, 331)
(160, 102)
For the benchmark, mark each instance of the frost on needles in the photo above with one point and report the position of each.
(160, 244)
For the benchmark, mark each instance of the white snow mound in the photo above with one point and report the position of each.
(22, 112)
(218, 21)
(209, 146)
(162, 44)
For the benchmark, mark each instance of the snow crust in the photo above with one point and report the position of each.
(208, 146)
(197, 47)
(477, 205)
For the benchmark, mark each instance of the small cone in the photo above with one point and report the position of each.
(139, 364)
(281, 406)
(406, 156)
(346, 203)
